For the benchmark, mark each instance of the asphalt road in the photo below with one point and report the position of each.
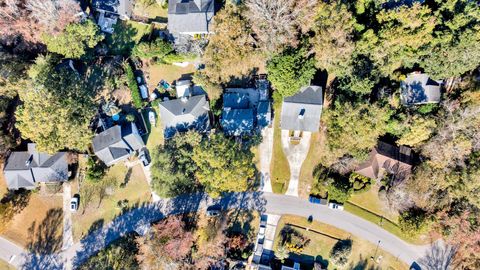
(145, 214)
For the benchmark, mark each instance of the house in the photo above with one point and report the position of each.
(301, 112)
(117, 143)
(108, 11)
(27, 168)
(418, 88)
(185, 113)
(388, 158)
(245, 109)
(190, 17)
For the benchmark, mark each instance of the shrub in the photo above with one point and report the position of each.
(359, 182)
(132, 84)
(341, 252)
(157, 48)
(413, 222)
(130, 117)
(95, 170)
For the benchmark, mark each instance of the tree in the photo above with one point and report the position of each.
(360, 78)
(413, 221)
(456, 45)
(341, 252)
(210, 243)
(95, 170)
(282, 253)
(352, 130)
(402, 38)
(339, 190)
(57, 108)
(173, 170)
(117, 256)
(157, 48)
(290, 70)
(75, 40)
(420, 130)
(333, 40)
(276, 23)
(167, 242)
(30, 19)
(230, 52)
(223, 165)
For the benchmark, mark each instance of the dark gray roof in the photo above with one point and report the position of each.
(303, 110)
(25, 169)
(236, 100)
(185, 113)
(122, 8)
(237, 122)
(264, 114)
(420, 89)
(194, 16)
(117, 143)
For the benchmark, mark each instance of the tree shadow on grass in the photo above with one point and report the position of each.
(45, 242)
(122, 40)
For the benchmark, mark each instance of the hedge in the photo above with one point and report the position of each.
(132, 84)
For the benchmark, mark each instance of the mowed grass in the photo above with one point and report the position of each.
(136, 191)
(309, 164)
(321, 244)
(154, 11)
(370, 200)
(126, 34)
(31, 217)
(279, 167)
(6, 266)
(155, 136)
(169, 73)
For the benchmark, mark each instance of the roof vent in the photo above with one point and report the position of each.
(301, 115)
(184, 99)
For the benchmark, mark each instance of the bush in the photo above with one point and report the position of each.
(293, 240)
(360, 183)
(413, 222)
(132, 84)
(341, 251)
(157, 48)
(95, 170)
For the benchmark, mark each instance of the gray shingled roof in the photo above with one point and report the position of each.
(122, 8)
(194, 16)
(420, 89)
(237, 122)
(264, 114)
(185, 113)
(117, 143)
(25, 169)
(303, 110)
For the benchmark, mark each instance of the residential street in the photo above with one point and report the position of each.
(263, 202)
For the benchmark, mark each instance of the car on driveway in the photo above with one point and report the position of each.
(335, 206)
(144, 158)
(74, 203)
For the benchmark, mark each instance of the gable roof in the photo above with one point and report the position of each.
(185, 113)
(302, 111)
(419, 89)
(24, 169)
(123, 8)
(235, 100)
(396, 160)
(193, 16)
(237, 122)
(117, 143)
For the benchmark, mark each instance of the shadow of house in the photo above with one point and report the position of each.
(185, 113)
(419, 89)
(117, 143)
(28, 168)
(394, 160)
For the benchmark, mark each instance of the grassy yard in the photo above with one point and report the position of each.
(136, 191)
(279, 167)
(154, 11)
(306, 172)
(169, 73)
(5, 265)
(321, 244)
(40, 210)
(155, 135)
(126, 35)
(369, 200)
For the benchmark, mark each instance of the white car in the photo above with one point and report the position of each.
(74, 204)
(335, 206)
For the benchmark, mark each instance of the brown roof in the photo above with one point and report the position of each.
(395, 160)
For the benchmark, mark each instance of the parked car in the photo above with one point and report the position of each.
(316, 200)
(143, 91)
(74, 203)
(143, 156)
(335, 206)
(151, 118)
(213, 211)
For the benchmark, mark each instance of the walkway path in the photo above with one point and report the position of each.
(296, 154)
(265, 152)
(263, 202)
(67, 217)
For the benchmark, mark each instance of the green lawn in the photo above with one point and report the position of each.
(279, 167)
(154, 11)
(311, 161)
(370, 200)
(126, 35)
(136, 191)
(321, 244)
(155, 135)
(169, 73)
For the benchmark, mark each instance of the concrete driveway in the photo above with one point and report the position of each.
(296, 154)
(265, 153)
(67, 217)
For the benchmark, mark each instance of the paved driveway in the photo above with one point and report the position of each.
(263, 202)
(67, 217)
(265, 153)
(296, 154)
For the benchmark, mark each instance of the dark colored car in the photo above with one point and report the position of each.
(213, 211)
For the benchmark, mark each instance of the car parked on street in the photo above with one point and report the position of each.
(316, 200)
(335, 206)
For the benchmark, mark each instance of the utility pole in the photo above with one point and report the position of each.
(376, 249)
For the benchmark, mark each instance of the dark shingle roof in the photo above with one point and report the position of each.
(194, 16)
(25, 169)
(237, 122)
(235, 100)
(419, 89)
(264, 114)
(303, 110)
